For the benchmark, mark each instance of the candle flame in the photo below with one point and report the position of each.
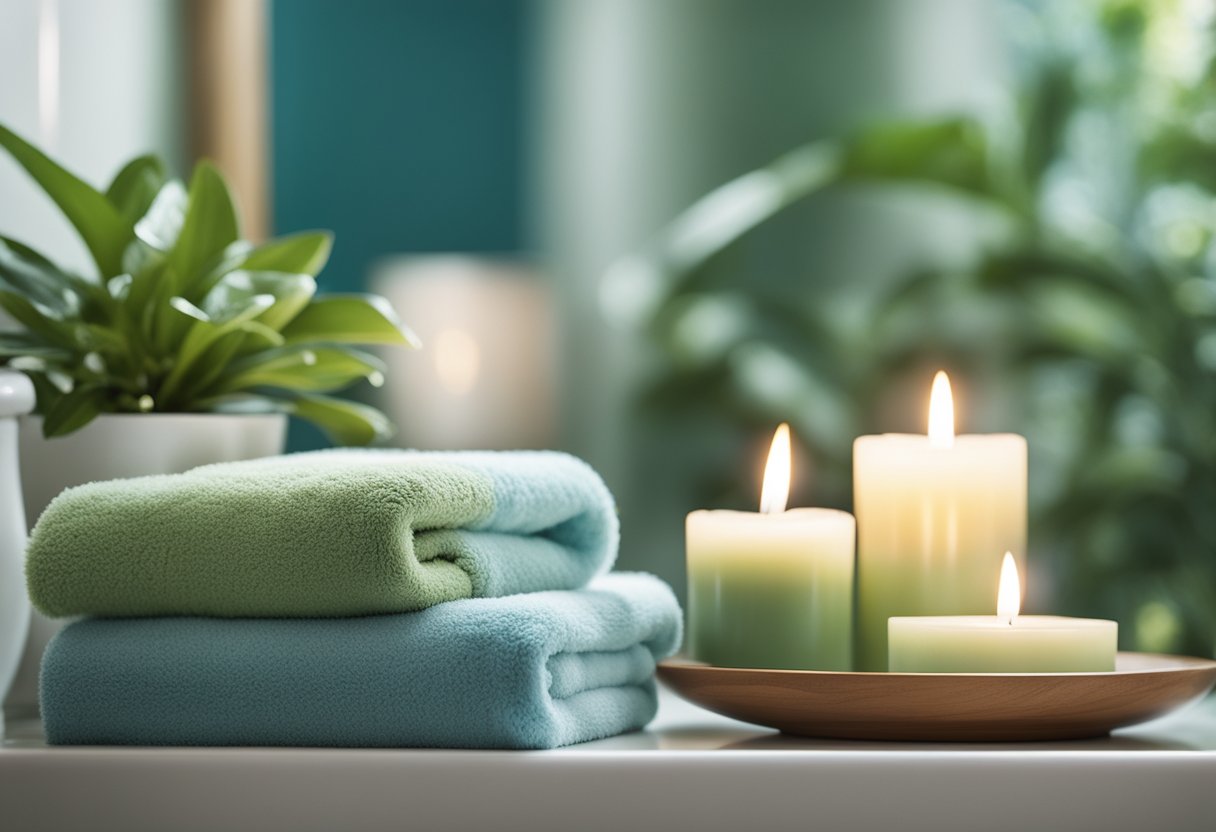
(941, 412)
(775, 492)
(1009, 596)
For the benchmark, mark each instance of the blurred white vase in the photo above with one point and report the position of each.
(16, 399)
(120, 445)
(486, 373)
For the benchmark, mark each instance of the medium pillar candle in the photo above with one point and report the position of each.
(771, 590)
(933, 514)
(774, 589)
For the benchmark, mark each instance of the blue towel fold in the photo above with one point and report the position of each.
(527, 671)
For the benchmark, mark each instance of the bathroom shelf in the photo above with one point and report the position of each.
(692, 770)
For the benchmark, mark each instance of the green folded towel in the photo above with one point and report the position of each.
(334, 533)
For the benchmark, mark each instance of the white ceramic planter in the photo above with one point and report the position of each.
(132, 445)
(124, 445)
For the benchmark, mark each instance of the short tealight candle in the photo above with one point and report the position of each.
(1004, 643)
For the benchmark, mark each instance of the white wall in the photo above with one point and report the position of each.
(121, 78)
(120, 94)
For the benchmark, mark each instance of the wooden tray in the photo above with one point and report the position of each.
(948, 707)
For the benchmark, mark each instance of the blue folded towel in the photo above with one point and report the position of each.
(528, 671)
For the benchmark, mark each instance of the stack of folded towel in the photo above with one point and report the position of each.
(347, 598)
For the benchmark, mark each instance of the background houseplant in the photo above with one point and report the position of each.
(1088, 298)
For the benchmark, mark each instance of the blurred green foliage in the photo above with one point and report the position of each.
(1091, 301)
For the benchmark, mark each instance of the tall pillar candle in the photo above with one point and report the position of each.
(772, 589)
(934, 515)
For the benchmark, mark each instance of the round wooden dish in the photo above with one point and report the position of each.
(949, 707)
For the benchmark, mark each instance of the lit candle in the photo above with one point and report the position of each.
(773, 589)
(931, 510)
(1004, 643)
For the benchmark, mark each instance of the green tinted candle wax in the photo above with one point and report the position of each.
(771, 590)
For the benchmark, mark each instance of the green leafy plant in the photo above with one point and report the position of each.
(1091, 298)
(182, 315)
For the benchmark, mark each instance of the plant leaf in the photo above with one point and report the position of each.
(104, 231)
(143, 303)
(291, 293)
(65, 292)
(731, 210)
(161, 224)
(37, 319)
(209, 227)
(214, 363)
(229, 260)
(189, 309)
(1048, 111)
(18, 344)
(136, 186)
(298, 367)
(350, 319)
(260, 336)
(102, 338)
(303, 253)
(49, 287)
(345, 422)
(951, 152)
(203, 333)
(74, 410)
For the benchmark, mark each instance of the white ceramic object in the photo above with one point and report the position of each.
(16, 399)
(120, 445)
(123, 445)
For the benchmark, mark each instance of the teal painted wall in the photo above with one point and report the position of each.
(401, 127)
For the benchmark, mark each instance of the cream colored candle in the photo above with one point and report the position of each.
(773, 589)
(1004, 643)
(933, 514)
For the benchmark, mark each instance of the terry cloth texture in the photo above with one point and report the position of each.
(530, 671)
(332, 533)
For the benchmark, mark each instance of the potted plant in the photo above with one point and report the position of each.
(188, 344)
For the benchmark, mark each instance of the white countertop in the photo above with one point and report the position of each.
(691, 770)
